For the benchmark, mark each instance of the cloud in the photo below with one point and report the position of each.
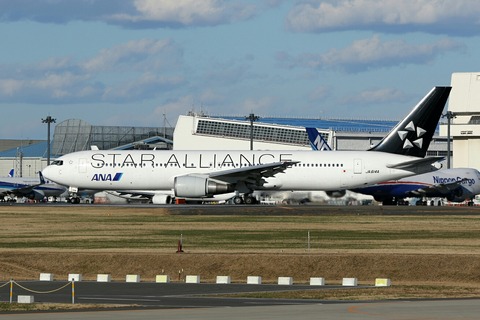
(130, 13)
(144, 87)
(319, 93)
(459, 17)
(376, 96)
(187, 12)
(371, 53)
(140, 55)
(132, 71)
(61, 11)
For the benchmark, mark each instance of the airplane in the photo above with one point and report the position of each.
(197, 174)
(31, 188)
(457, 185)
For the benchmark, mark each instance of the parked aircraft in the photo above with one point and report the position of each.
(317, 142)
(457, 185)
(31, 188)
(197, 174)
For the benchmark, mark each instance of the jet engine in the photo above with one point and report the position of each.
(198, 187)
(161, 199)
(36, 195)
(457, 195)
(336, 193)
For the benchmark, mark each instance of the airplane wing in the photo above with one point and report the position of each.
(26, 189)
(442, 188)
(417, 164)
(252, 175)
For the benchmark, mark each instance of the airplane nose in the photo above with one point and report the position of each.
(48, 173)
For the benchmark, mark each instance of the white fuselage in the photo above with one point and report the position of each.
(157, 169)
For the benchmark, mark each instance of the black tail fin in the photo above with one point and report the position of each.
(412, 135)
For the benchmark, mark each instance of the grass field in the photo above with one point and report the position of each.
(415, 251)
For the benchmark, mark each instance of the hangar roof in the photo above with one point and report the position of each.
(36, 150)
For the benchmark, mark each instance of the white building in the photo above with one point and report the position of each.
(194, 132)
(464, 106)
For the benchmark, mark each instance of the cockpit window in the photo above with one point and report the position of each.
(57, 163)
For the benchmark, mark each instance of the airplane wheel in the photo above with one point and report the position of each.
(75, 200)
(250, 200)
(237, 200)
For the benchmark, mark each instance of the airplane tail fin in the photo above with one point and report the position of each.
(11, 173)
(412, 135)
(42, 179)
(317, 142)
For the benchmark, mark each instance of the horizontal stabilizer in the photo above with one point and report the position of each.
(415, 165)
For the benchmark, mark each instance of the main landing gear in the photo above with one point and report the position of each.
(246, 199)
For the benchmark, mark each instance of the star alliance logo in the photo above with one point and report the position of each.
(411, 128)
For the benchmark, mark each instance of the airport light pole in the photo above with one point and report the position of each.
(252, 118)
(449, 115)
(48, 120)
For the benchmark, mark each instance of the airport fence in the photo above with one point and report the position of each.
(13, 283)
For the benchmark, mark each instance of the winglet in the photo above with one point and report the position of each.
(412, 136)
(317, 142)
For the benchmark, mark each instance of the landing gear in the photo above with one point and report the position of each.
(246, 199)
(238, 200)
(75, 200)
(389, 202)
(394, 202)
(249, 200)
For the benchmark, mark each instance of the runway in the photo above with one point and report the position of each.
(275, 210)
(391, 310)
(157, 295)
(145, 301)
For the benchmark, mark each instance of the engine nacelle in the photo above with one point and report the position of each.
(161, 199)
(198, 187)
(457, 195)
(336, 193)
(36, 195)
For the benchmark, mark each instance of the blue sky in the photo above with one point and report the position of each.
(129, 62)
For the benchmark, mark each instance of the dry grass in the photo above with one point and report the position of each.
(424, 255)
(22, 307)
(390, 293)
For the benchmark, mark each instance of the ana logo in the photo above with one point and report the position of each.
(418, 142)
(320, 144)
(107, 177)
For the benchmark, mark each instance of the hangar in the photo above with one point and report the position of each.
(464, 114)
